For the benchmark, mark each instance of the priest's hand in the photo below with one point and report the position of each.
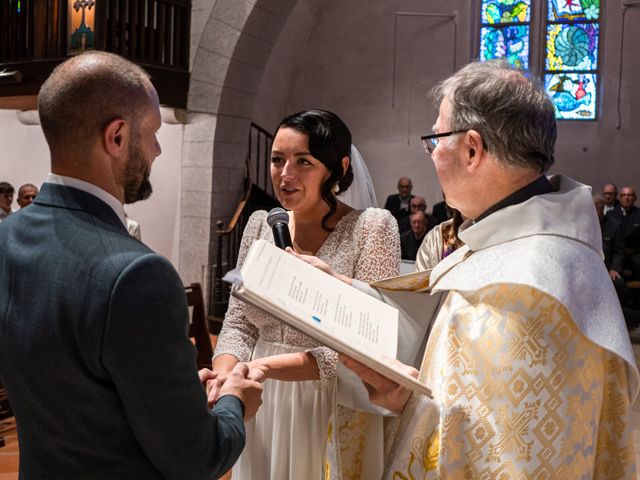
(382, 391)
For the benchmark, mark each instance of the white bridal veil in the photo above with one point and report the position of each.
(360, 194)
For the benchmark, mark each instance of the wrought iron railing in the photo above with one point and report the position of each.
(258, 194)
(150, 31)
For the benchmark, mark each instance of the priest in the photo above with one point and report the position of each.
(529, 359)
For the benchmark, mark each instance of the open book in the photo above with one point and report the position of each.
(322, 307)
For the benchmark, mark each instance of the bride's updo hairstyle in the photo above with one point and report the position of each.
(329, 142)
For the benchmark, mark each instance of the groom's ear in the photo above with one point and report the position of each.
(345, 165)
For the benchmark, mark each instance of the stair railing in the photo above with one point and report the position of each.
(258, 177)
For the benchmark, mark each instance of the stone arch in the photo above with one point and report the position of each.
(231, 41)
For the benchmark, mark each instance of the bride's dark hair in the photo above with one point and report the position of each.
(329, 142)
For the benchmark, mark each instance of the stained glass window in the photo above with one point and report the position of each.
(572, 47)
(574, 94)
(572, 10)
(571, 60)
(504, 31)
(505, 11)
(510, 42)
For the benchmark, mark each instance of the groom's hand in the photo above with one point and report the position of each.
(248, 391)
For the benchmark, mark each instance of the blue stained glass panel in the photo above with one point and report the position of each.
(572, 47)
(573, 94)
(511, 43)
(505, 11)
(572, 10)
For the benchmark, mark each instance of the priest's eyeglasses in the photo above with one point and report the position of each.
(430, 142)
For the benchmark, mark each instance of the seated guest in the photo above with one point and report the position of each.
(417, 204)
(410, 241)
(439, 242)
(398, 204)
(612, 246)
(629, 217)
(441, 211)
(6, 199)
(26, 194)
(610, 196)
(626, 208)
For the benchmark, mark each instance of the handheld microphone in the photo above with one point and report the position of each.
(278, 220)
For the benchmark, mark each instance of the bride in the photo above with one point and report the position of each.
(301, 432)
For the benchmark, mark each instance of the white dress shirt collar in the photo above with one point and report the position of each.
(91, 189)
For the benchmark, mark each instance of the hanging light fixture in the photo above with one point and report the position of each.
(81, 25)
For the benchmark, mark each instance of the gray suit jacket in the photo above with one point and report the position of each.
(94, 351)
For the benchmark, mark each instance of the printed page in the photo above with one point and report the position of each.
(320, 299)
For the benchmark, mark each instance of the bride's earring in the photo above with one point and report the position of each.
(336, 189)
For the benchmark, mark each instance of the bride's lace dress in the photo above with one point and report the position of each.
(295, 424)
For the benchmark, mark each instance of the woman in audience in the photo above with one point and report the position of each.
(297, 430)
(440, 241)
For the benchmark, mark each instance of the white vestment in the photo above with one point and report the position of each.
(529, 359)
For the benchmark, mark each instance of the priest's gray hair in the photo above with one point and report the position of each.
(513, 113)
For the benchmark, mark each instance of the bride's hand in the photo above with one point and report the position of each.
(257, 371)
(212, 385)
(212, 382)
(319, 264)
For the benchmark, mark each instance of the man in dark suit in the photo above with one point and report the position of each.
(94, 352)
(610, 197)
(411, 240)
(416, 204)
(441, 212)
(613, 248)
(398, 204)
(629, 217)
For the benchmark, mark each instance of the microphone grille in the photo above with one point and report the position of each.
(276, 215)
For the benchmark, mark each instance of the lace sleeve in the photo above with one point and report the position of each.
(238, 335)
(377, 252)
(378, 242)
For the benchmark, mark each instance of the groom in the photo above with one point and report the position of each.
(93, 346)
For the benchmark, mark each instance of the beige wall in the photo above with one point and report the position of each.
(25, 159)
(340, 56)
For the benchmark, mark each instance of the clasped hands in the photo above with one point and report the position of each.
(243, 381)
